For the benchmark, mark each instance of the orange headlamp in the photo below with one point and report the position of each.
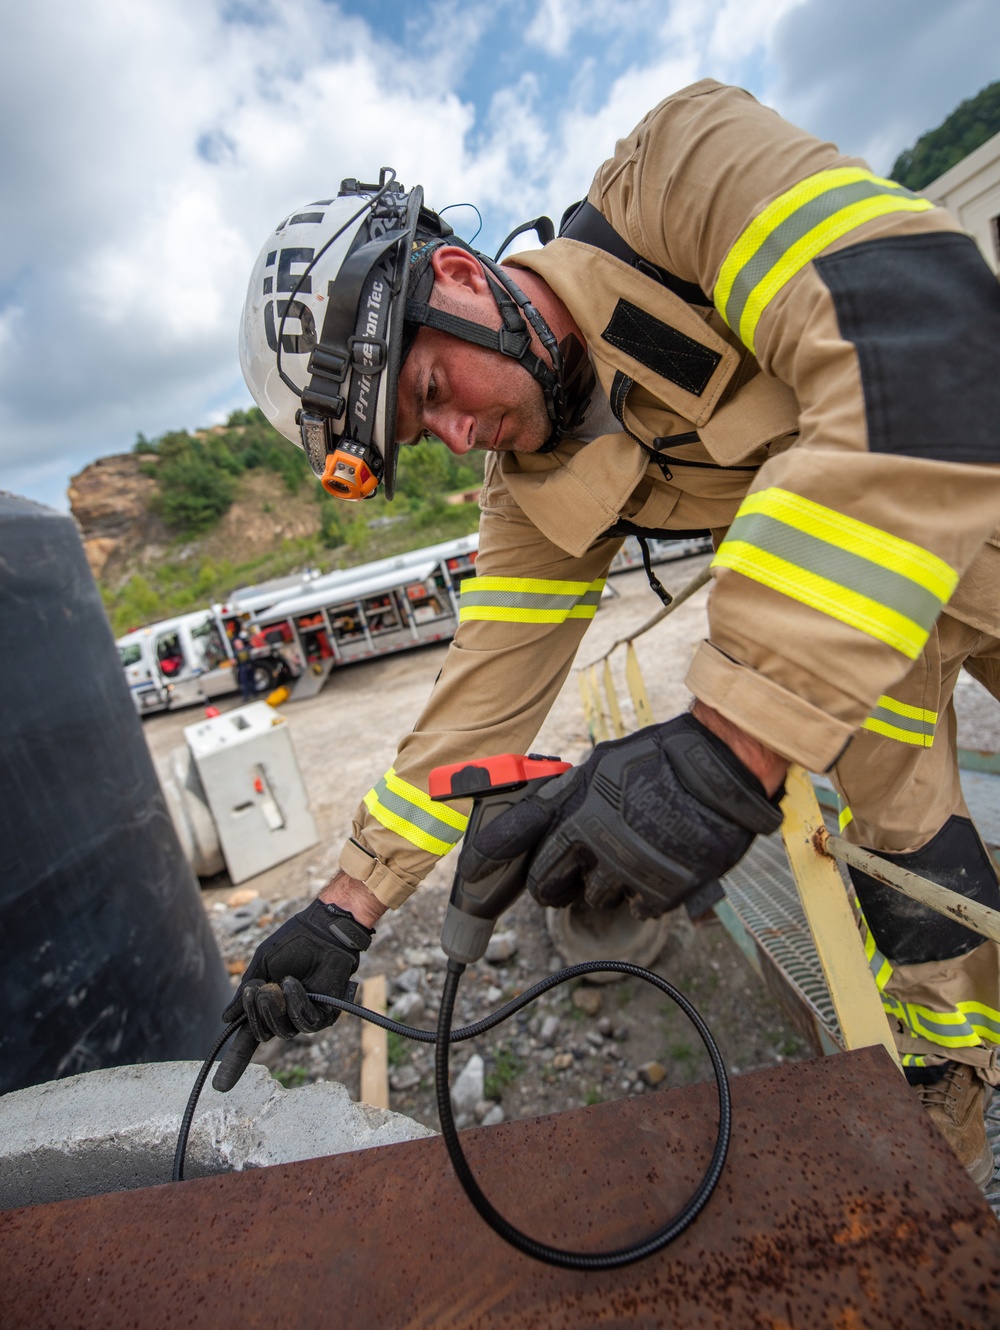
(347, 474)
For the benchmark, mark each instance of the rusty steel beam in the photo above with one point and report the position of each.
(840, 1206)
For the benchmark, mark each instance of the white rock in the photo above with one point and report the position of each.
(404, 1078)
(235, 921)
(417, 956)
(493, 994)
(549, 1030)
(407, 1008)
(115, 1129)
(502, 946)
(409, 980)
(467, 1090)
(493, 1117)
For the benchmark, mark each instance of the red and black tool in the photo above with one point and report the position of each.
(494, 784)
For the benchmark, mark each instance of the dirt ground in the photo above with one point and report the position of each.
(569, 1048)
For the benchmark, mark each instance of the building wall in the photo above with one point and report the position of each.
(971, 190)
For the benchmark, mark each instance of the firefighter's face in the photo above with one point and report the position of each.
(466, 395)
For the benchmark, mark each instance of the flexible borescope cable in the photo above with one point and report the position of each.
(444, 1036)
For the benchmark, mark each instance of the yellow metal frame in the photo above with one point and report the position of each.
(834, 929)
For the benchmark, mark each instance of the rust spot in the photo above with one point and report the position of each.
(819, 839)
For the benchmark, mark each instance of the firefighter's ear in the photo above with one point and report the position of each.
(457, 272)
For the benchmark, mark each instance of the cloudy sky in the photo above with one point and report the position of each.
(148, 146)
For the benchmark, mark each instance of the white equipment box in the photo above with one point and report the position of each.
(253, 786)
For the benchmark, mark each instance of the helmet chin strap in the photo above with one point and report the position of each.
(512, 339)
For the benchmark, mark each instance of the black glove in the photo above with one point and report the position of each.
(652, 817)
(315, 951)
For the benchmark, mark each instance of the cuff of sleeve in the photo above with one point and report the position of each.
(775, 717)
(385, 885)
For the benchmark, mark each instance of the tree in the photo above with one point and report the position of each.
(969, 125)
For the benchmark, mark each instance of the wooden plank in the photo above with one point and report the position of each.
(831, 920)
(600, 729)
(374, 1046)
(637, 688)
(614, 710)
(588, 705)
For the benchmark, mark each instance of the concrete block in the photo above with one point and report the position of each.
(115, 1129)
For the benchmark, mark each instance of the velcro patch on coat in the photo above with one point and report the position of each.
(661, 348)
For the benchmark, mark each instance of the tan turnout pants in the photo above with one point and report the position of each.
(899, 783)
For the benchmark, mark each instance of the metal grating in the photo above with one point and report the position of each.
(762, 891)
(993, 1136)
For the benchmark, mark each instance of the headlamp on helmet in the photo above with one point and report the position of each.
(322, 334)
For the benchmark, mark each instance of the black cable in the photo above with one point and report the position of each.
(194, 1096)
(606, 1260)
(445, 1036)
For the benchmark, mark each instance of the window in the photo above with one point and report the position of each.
(130, 655)
(169, 655)
(208, 644)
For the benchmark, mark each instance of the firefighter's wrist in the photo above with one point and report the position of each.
(768, 766)
(350, 894)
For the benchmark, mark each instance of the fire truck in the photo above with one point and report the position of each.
(299, 627)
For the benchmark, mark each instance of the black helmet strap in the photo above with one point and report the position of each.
(511, 339)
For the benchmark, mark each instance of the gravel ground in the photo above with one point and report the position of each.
(579, 1043)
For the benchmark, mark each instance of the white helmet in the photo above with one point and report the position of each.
(322, 330)
(336, 297)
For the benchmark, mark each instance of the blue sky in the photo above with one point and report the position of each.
(147, 150)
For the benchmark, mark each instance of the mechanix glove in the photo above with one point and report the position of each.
(652, 817)
(316, 951)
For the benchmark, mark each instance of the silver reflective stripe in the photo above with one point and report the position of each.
(805, 218)
(408, 811)
(528, 600)
(901, 722)
(839, 565)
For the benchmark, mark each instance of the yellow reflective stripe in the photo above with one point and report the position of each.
(869, 579)
(973, 1023)
(966, 1025)
(894, 732)
(534, 586)
(848, 533)
(827, 597)
(528, 599)
(904, 709)
(792, 230)
(411, 813)
(846, 817)
(879, 966)
(504, 614)
(905, 723)
(750, 240)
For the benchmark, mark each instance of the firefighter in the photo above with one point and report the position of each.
(740, 330)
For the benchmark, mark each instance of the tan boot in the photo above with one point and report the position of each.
(956, 1104)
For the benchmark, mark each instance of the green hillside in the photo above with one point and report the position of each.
(969, 125)
(214, 485)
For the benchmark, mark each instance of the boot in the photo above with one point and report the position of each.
(956, 1101)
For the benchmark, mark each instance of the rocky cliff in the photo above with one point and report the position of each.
(113, 500)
